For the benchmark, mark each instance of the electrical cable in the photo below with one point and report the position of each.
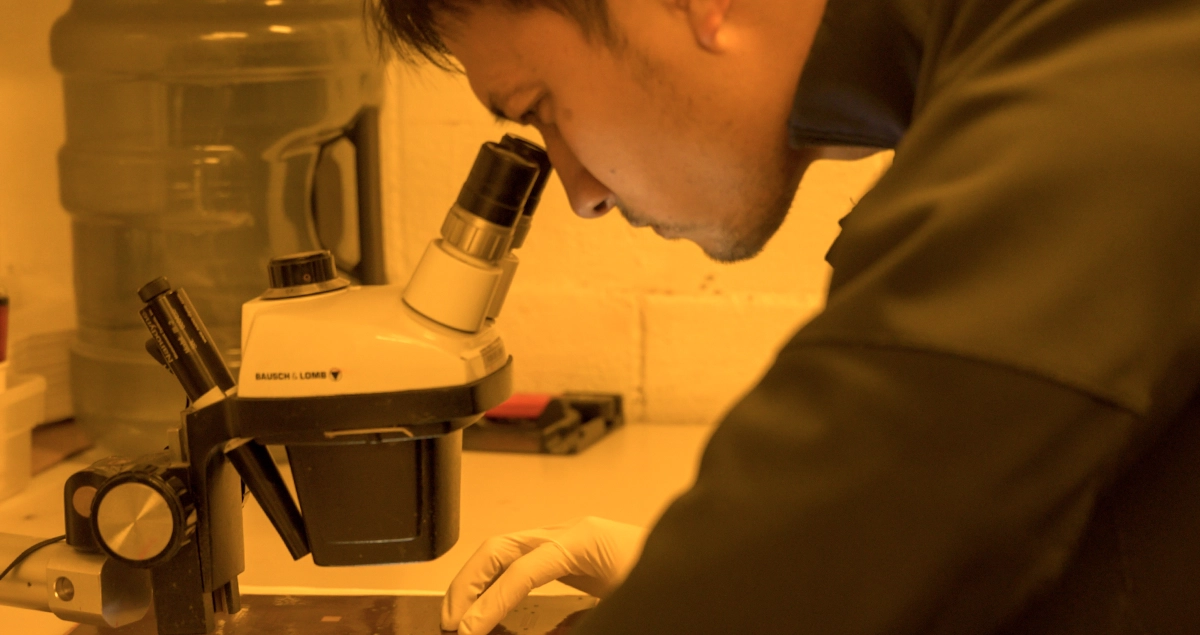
(29, 552)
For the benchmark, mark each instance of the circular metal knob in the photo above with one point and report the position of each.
(142, 518)
(304, 273)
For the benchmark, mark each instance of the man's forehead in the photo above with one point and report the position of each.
(499, 51)
(486, 20)
(495, 78)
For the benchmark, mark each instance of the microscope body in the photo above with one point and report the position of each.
(367, 387)
(356, 340)
(369, 398)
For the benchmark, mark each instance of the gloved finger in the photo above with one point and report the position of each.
(481, 569)
(610, 550)
(542, 565)
(593, 586)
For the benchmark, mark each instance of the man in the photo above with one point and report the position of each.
(993, 426)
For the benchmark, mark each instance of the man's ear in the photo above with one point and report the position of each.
(707, 19)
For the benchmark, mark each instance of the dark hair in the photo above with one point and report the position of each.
(411, 26)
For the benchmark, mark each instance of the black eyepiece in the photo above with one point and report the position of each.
(534, 153)
(499, 185)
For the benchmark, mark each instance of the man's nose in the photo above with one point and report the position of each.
(588, 196)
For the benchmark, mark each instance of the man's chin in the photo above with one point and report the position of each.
(736, 248)
(733, 253)
(730, 249)
(722, 244)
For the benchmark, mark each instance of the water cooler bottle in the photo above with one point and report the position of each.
(203, 138)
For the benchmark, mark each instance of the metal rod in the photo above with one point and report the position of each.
(25, 585)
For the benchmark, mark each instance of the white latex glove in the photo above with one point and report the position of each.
(591, 554)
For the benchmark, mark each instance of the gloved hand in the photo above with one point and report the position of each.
(591, 554)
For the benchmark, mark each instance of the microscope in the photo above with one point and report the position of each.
(367, 388)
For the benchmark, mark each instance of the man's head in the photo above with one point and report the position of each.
(673, 111)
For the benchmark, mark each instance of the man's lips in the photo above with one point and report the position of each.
(670, 233)
(637, 222)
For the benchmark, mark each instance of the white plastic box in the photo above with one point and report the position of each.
(24, 406)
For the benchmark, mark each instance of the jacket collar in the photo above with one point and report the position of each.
(859, 83)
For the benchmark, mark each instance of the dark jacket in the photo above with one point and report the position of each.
(994, 426)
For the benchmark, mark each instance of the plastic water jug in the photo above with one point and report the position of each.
(203, 138)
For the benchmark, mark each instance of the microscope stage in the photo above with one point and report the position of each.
(370, 615)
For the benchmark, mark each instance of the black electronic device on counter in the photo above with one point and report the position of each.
(544, 424)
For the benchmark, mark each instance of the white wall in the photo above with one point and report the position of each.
(35, 242)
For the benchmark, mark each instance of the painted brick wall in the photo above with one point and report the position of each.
(597, 305)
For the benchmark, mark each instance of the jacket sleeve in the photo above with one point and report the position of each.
(874, 490)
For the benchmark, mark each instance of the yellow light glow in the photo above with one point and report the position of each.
(225, 35)
(279, 28)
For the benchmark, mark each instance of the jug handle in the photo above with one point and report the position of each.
(363, 132)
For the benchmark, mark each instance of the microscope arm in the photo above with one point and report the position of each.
(164, 527)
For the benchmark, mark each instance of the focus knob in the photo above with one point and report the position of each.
(301, 274)
(143, 516)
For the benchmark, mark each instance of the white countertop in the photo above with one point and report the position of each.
(629, 476)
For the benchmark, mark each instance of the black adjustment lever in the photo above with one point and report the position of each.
(253, 463)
